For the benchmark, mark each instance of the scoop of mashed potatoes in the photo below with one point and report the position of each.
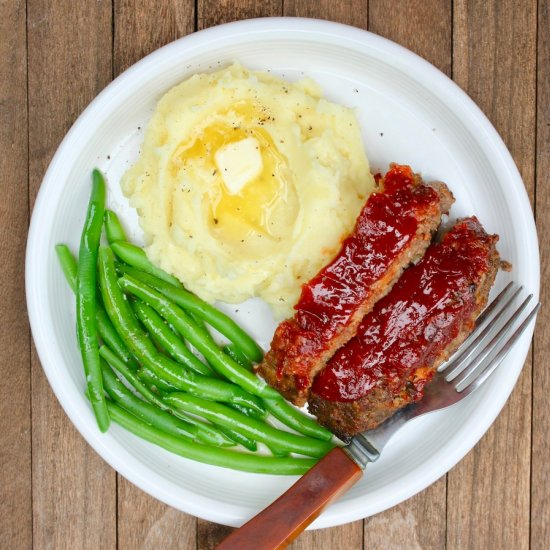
(246, 184)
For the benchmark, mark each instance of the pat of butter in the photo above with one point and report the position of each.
(239, 163)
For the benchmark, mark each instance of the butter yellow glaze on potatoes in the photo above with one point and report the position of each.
(246, 184)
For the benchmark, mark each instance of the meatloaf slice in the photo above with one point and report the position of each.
(393, 229)
(409, 333)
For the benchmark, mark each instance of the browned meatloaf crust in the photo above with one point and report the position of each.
(393, 229)
(409, 333)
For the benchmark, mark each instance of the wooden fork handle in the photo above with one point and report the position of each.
(282, 521)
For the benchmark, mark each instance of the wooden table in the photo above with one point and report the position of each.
(56, 55)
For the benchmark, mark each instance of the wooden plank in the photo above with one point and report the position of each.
(488, 492)
(424, 27)
(144, 522)
(343, 537)
(349, 12)
(142, 27)
(540, 468)
(418, 523)
(224, 11)
(69, 52)
(209, 534)
(15, 443)
(139, 29)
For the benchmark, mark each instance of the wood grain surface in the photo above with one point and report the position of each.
(69, 62)
(482, 31)
(56, 55)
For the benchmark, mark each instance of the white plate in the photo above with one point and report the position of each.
(409, 112)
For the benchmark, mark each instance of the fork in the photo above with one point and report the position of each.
(468, 369)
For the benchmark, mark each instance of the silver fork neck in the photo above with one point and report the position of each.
(361, 451)
(367, 446)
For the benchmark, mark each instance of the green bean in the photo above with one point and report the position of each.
(104, 326)
(295, 419)
(168, 376)
(247, 411)
(210, 435)
(111, 338)
(201, 326)
(119, 311)
(121, 395)
(113, 227)
(236, 354)
(239, 438)
(135, 256)
(200, 322)
(222, 363)
(167, 339)
(189, 302)
(131, 377)
(203, 386)
(259, 431)
(210, 455)
(276, 451)
(86, 300)
(154, 381)
(68, 264)
(214, 389)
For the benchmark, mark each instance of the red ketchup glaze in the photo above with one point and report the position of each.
(385, 226)
(415, 322)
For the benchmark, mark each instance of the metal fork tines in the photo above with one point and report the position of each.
(497, 330)
(476, 359)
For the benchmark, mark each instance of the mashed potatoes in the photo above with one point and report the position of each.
(246, 184)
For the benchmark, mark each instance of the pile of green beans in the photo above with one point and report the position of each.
(137, 329)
